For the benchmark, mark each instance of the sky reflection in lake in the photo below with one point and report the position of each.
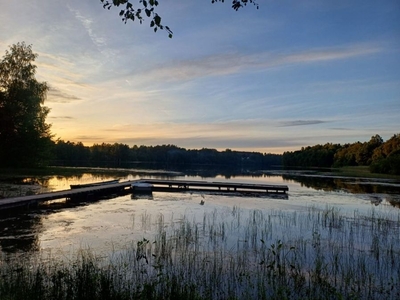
(108, 225)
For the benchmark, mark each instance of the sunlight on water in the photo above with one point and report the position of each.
(109, 225)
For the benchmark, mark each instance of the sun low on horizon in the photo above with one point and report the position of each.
(273, 79)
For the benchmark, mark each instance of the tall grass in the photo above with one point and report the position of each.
(236, 254)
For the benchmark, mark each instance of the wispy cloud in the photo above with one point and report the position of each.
(233, 63)
(61, 117)
(57, 96)
(340, 128)
(87, 24)
(89, 138)
(301, 123)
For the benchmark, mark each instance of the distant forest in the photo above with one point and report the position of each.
(380, 156)
(76, 154)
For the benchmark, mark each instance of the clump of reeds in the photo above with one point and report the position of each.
(314, 254)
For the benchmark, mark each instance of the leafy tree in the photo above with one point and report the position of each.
(147, 9)
(386, 157)
(364, 156)
(315, 156)
(388, 148)
(25, 138)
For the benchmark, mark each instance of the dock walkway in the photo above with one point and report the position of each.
(182, 185)
(158, 185)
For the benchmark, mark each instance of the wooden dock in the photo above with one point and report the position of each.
(213, 186)
(158, 185)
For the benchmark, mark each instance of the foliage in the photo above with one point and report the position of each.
(358, 154)
(390, 147)
(315, 156)
(25, 137)
(386, 157)
(388, 165)
(76, 154)
(383, 157)
(146, 8)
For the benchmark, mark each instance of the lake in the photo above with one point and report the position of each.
(105, 225)
(330, 235)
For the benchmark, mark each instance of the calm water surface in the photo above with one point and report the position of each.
(61, 228)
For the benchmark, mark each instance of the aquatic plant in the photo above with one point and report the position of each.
(318, 253)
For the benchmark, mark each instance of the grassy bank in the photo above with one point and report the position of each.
(313, 254)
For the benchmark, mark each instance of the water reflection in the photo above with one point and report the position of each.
(137, 196)
(20, 233)
(351, 185)
(394, 200)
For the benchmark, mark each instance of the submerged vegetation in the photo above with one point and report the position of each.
(231, 254)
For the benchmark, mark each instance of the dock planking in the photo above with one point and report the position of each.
(158, 185)
(217, 186)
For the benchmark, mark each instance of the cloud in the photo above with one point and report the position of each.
(301, 123)
(63, 118)
(87, 24)
(340, 129)
(89, 138)
(233, 63)
(57, 96)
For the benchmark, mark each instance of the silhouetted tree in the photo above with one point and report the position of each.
(75, 154)
(25, 138)
(315, 156)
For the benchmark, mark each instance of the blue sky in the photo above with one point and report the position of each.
(288, 75)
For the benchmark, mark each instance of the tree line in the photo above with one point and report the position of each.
(76, 154)
(380, 156)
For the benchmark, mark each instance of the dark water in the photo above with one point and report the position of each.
(59, 228)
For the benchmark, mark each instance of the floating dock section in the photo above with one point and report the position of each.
(158, 185)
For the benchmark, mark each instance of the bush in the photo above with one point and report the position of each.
(389, 165)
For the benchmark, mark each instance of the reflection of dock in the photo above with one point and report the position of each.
(158, 185)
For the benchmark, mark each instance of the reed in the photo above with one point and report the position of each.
(318, 253)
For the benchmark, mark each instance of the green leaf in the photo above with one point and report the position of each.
(148, 12)
(157, 20)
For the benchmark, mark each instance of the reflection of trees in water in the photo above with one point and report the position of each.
(394, 200)
(228, 173)
(356, 186)
(20, 233)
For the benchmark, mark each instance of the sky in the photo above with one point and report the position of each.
(287, 75)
